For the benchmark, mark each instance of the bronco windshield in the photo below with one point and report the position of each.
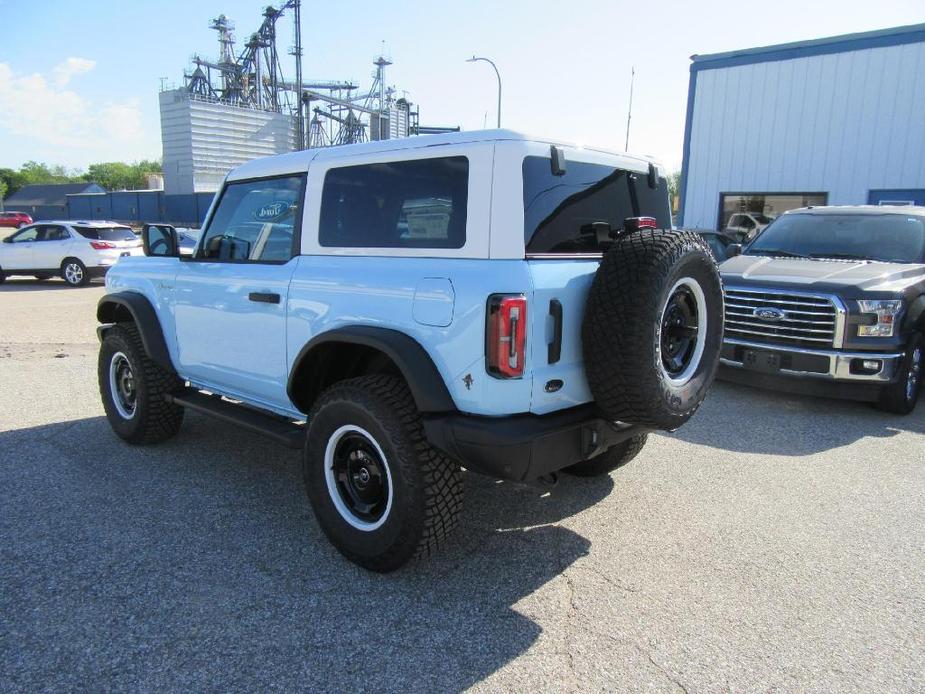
(889, 238)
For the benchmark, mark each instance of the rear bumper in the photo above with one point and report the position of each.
(98, 271)
(829, 373)
(524, 447)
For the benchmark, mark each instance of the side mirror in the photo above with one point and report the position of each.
(734, 249)
(160, 240)
(8, 239)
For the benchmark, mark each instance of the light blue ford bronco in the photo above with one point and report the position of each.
(401, 310)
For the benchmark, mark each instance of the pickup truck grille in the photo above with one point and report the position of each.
(794, 320)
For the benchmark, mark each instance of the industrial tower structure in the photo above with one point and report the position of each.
(241, 106)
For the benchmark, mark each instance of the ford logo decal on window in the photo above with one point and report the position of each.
(768, 313)
(272, 211)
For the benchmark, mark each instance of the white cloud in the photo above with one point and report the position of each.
(51, 115)
(72, 66)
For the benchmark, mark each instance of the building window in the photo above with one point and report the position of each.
(749, 213)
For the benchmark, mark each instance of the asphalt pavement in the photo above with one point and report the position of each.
(774, 542)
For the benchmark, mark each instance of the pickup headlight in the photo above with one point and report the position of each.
(884, 311)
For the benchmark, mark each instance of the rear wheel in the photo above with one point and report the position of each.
(381, 494)
(74, 273)
(902, 396)
(609, 460)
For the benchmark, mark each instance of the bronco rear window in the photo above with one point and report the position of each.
(107, 233)
(556, 208)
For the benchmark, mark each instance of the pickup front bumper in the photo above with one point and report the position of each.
(819, 372)
(525, 447)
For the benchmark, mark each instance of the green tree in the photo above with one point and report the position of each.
(119, 175)
(3, 189)
(674, 191)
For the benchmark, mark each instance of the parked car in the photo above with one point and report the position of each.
(744, 226)
(399, 310)
(187, 240)
(831, 301)
(77, 251)
(14, 219)
(719, 243)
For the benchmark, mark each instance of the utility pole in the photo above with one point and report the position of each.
(629, 113)
(297, 50)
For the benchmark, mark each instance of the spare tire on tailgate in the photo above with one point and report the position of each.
(653, 328)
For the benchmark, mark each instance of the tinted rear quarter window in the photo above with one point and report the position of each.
(556, 208)
(420, 203)
(107, 233)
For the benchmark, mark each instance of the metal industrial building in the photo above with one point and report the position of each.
(203, 139)
(240, 106)
(838, 120)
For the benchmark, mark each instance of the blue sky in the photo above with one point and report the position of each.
(79, 80)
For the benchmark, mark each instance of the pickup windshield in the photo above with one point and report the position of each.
(557, 208)
(889, 238)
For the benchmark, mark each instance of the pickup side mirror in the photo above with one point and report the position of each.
(734, 249)
(160, 240)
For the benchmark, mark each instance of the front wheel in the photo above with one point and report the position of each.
(900, 397)
(381, 494)
(75, 273)
(134, 389)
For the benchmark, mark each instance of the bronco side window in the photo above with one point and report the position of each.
(257, 221)
(418, 203)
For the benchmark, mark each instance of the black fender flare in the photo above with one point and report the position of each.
(115, 307)
(915, 314)
(418, 369)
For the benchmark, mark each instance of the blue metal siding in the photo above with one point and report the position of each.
(828, 121)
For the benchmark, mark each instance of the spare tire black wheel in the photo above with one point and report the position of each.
(653, 328)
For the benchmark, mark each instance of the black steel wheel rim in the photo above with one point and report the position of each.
(680, 322)
(361, 479)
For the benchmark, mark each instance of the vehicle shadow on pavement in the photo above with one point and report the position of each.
(198, 563)
(752, 420)
(21, 284)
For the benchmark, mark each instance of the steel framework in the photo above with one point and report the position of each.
(327, 112)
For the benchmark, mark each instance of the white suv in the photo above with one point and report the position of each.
(77, 251)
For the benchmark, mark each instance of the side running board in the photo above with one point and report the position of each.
(273, 426)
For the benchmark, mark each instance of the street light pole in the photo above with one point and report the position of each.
(473, 59)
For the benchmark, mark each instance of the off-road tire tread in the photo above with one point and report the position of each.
(616, 351)
(162, 419)
(389, 401)
(609, 460)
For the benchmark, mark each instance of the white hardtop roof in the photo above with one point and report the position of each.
(861, 209)
(298, 161)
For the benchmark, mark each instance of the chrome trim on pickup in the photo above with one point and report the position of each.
(839, 362)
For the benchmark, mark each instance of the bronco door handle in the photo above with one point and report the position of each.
(264, 297)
